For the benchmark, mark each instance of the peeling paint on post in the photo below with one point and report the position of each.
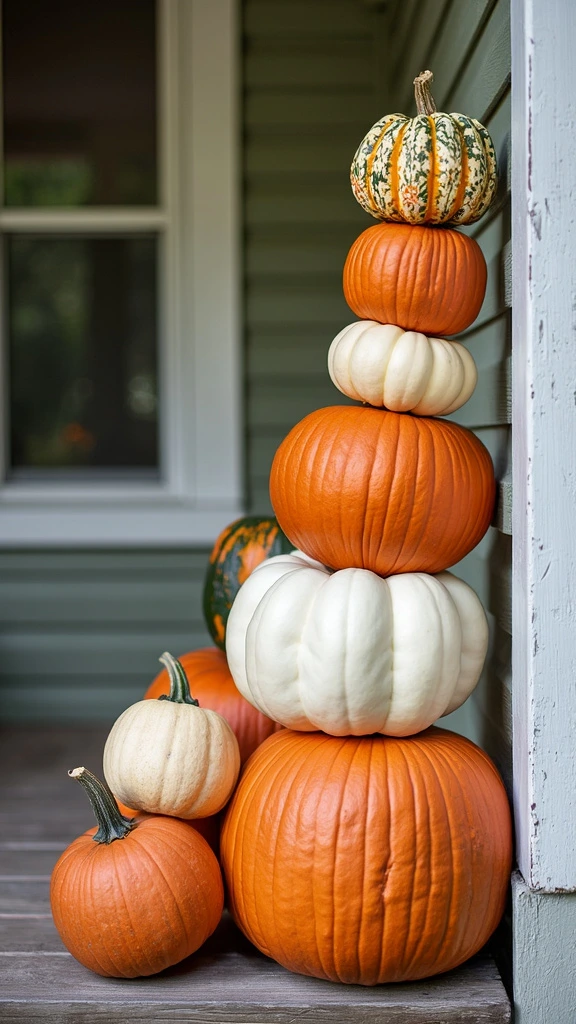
(544, 440)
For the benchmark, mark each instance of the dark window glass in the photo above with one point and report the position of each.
(82, 352)
(79, 102)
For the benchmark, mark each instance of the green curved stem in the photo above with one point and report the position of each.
(111, 823)
(179, 687)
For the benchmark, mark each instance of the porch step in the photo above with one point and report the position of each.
(228, 980)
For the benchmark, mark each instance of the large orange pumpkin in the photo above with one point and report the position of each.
(368, 860)
(427, 279)
(213, 687)
(359, 487)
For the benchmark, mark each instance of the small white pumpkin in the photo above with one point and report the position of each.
(170, 756)
(351, 653)
(404, 371)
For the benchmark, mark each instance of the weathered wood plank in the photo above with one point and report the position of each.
(243, 988)
(28, 935)
(36, 756)
(24, 894)
(20, 859)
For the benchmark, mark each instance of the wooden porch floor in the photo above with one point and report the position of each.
(41, 811)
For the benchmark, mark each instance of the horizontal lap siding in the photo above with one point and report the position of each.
(312, 90)
(81, 632)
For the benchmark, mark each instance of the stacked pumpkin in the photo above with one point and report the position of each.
(363, 844)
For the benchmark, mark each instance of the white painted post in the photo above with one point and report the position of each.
(544, 439)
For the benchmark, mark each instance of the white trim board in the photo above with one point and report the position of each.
(198, 221)
(544, 436)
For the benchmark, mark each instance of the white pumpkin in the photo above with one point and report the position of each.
(170, 756)
(351, 653)
(404, 371)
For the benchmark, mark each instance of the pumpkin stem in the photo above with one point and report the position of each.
(111, 823)
(424, 101)
(179, 687)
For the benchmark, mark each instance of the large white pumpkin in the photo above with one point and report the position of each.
(351, 653)
(404, 371)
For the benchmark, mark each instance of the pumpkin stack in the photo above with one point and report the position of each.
(363, 844)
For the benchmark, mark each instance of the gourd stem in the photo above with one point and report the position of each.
(424, 102)
(111, 823)
(179, 688)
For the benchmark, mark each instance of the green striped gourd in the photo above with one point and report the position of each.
(434, 168)
(237, 551)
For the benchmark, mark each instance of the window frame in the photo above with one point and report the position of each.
(197, 220)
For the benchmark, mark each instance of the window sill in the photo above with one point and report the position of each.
(134, 518)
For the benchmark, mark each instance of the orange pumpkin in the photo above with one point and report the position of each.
(426, 279)
(209, 828)
(368, 860)
(359, 487)
(213, 687)
(132, 898)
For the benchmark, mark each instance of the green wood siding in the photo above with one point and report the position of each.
(313, 86)
(81, 631)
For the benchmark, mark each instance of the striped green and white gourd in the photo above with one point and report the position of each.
(434, 168)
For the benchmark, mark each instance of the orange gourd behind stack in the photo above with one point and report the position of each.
(370, 859)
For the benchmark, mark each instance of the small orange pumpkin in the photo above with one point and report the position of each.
(426, 279)
(214, 688)
(368, 860)
(359, 487)
(133, 897)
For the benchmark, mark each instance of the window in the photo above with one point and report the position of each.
(119, 223)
